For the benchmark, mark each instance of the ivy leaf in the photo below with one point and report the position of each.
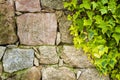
(104, 26)
(90, 14)
(94, 5)
(98, 19)
(117, 29)
(112, 6)
(86, 4)
(116, 36)
(103, 10)
(87, 22)
(90, 34)
(79, 23)
(104, 1)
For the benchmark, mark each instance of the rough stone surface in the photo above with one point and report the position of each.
(64, 25)
(1, 69)
(2, 1)
(48, 55)
(36, 62)
(37, 29)
(17, 59)
(32, 74)
(62, 73)
(58, 40)
(2, 50)
(54, 4)
(7, 23)
(92, 74)
(74, 57)
(28, 5)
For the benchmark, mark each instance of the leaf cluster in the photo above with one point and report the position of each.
(96, 29)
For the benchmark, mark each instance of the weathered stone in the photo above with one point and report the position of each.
(48, 55)
(78, 74)
(2, 50)
(2, 1)
(1, 69)
(37, 29)
(36, 62)
(7, 23)
(28, 5)
(54, 4)
(58, 38)
(61, 62)
(92, 74)
(74, 57)
(17, 59)
(62, 73)
(64, 25)
(32, 74)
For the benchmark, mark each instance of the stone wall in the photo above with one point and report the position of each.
(35, 43)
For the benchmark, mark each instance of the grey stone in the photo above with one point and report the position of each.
(92, 74)
(16, 59)
(7, 23)
(58, 40)
(64, 25)
(28, 5)
(37, 29)
(32, 74)
(62, 73)
(2, 50)
(54, 4)
(74, 57)
(48, 55)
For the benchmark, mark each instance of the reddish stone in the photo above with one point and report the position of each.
(28, 5)
(37, 29)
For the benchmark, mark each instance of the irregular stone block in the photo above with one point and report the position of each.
(58, 40)
(28, 5)
(37, 29)
(7, 23)
(54, 4)
(1, 69)
(32, 74)
(62, 73)
(92, 74)
(48, 55)
(64, 25)
(74, 57)
(16, 59)
(2, 50)
(2, 1)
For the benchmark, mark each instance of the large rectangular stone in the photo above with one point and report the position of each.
(37, 29)
(28, 5)
(7, 23)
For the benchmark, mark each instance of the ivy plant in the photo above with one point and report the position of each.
(96, 29)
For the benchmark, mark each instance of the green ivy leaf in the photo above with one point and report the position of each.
(116, 36)
(104, 1)
(104, 26)
(86, 4)
(94, 5)
(103, 10)
(117, 29)
(112, 6)
(98, 19)
(87, 22)
(90, 14)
